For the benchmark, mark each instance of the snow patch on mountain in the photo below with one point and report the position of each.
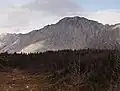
(8, 42)
(33, 47)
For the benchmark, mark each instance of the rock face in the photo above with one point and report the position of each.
(68, 33)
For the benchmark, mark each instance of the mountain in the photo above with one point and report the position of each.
(68, 33)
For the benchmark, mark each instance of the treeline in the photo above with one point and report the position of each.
(54, 59)
(88, 68)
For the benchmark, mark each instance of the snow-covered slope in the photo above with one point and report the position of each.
(33, 47)
(8, 42)
(69, 32)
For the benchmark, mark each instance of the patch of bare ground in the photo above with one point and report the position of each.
(21, 81)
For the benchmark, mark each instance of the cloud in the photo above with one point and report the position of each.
(105, 16)
(38, 13)
(56, 7)
(23, 20)
(35, 14)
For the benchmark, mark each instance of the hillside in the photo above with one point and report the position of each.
(65, 70)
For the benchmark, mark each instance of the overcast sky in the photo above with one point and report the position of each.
(26, 15)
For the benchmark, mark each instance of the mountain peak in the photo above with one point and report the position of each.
(77, 20)
(71, 18)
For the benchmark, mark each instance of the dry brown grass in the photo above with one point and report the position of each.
(20, 81)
